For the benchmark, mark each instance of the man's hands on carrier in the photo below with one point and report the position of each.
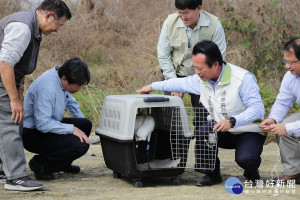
(145, 90)
(148, 88)
(82, 136)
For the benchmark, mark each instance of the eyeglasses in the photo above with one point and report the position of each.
(290, 63)
(185, 14)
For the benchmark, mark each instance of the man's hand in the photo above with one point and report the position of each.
(177, 94)
(278, 129)
(265, 125)
(222, 126)
(17, 111)
(145, 90)
(82, 136)
(16, 103)
(17, 108)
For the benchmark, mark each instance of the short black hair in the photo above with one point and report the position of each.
(57, 6)
(294, 44)
(76, 71)
(210, 50)
(187, 4)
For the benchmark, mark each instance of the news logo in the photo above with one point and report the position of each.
(233, 185)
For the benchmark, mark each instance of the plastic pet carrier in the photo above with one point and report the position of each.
(135, 137)
(147, 136)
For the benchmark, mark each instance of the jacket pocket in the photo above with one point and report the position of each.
(175, 44)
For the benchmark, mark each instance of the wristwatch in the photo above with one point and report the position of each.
(20, 86)
(231, 121)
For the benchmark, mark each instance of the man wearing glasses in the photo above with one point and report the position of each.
(20, 37)
(231, 95)
(288, 130)
(180, 32)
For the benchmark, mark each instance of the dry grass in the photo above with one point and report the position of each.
(118, 39)
(8, 7)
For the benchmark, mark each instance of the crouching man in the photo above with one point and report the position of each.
(287, 130)
(58, 141)
(231, 95)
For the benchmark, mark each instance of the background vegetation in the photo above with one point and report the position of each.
(118, 39)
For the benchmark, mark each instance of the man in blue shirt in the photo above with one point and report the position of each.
(57, 140)
(231, 95)
(288, 130)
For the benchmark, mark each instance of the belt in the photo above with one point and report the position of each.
(29, 130)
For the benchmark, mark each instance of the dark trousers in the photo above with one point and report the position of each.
(248, 148)
(56, 151)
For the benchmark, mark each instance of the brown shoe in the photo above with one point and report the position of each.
(284, 178)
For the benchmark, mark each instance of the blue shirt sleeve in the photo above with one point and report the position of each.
(249, 94)
(43, 112)
(189, 84)
(251, 98)
(284, 101)
(74, 107)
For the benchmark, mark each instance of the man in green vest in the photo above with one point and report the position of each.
(179, 34)
(231, 95)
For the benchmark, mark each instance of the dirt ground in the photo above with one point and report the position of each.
(95, 181)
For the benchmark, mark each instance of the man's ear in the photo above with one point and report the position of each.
(64, 78)
(48, 16)
(216, 64)
(199, 7)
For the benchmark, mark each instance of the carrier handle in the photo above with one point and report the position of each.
(156, 99)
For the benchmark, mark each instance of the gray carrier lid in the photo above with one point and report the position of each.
(119, 112)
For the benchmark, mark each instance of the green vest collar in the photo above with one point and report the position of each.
(226, 77)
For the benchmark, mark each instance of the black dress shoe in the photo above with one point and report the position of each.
(252, 176)
(209, 179)
(39, 171)
(73, 169)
